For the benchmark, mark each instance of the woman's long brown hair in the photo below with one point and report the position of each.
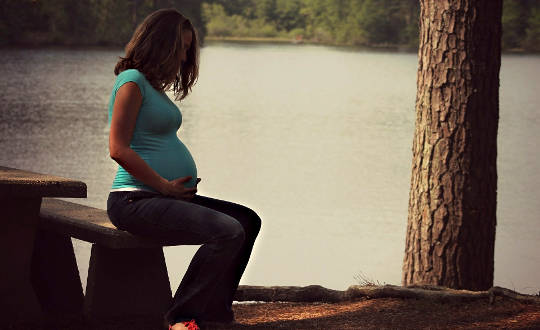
(155, 49)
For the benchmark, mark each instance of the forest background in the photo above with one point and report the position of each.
(364, 23)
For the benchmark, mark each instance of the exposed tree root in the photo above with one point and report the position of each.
(498, 291)
(317, 293)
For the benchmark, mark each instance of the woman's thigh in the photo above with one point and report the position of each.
(246, 216)
(172, 221)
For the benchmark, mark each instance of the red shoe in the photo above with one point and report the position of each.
(191, 325)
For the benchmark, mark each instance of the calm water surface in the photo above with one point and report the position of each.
(316, 139)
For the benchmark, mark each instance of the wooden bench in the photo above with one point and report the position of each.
(21, 193)
(127, 274)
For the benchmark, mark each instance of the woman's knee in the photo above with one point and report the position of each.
(256, 221)
(251, 221)
(232, 229)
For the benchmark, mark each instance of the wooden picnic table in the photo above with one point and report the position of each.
(21, 194)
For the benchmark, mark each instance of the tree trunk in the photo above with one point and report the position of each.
(452, 204)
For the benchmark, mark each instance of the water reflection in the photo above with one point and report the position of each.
(316, 139)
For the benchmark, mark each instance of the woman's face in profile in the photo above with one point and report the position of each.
(187, 35)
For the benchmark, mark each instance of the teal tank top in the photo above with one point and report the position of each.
(154, 137)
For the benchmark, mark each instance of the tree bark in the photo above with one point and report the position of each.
(452, 204)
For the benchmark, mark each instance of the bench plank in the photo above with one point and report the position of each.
(87, 224)
(15, 182)
(127, 274)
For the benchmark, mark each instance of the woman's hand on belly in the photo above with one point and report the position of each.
(176, 189)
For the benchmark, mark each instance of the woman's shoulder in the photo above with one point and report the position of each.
(132, 75)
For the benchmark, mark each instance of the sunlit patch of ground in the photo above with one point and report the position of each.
(387, 313)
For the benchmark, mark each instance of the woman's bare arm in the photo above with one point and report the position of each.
(125, 110)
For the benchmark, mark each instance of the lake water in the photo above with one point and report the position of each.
(316, 139)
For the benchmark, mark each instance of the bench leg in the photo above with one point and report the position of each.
(19, 220)
(123, 282)
(55, 275)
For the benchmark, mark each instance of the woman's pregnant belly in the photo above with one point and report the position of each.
(172, 161)
(168, 156)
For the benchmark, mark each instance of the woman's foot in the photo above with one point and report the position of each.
(189, 325)
(177, 326)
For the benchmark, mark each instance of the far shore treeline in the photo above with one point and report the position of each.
(369, 23)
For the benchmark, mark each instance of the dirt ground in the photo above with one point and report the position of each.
(389, 313)
(382, 313)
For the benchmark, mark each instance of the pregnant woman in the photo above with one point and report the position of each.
(154, 191)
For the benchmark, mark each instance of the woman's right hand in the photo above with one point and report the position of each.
(176, 189)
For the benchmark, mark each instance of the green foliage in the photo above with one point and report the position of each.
(520, 25)
(81, 22)
(532, 38)
(343, 22)
(18, 19)
(347, 22)
(219, 24)
(366, 22)
(513, 24)
(288, 14)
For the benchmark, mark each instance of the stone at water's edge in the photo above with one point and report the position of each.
(309, 293)
(317, 293)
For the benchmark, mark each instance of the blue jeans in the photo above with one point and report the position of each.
(227, 232)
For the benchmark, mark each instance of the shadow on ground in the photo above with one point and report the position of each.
(362, 314)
